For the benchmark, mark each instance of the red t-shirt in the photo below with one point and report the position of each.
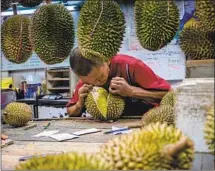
(139, 75)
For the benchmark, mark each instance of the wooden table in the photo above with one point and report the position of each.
(25, 144)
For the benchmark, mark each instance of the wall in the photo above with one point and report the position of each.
(168, 63)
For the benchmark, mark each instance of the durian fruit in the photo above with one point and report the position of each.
(103, 105)
(209, 129)
(52, 32)
(67, 161)
(5, 4)
(101, 28)
(205, 11)
(17, 114)
(197, 44)
(192, 22)
(154, 147)
(163, 114)
(168, 99)
(156, 22)
(30, 3)
(15, 39)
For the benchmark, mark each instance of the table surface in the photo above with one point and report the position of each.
(25, 144)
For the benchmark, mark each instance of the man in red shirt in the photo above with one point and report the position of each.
(123, 75)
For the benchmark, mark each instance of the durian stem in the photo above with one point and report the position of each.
(173, 149)
(14, 6)
(102, 5)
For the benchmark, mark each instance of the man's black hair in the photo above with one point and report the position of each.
(81, 65)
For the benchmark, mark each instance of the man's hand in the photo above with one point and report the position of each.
(119, 86)
(82, 94)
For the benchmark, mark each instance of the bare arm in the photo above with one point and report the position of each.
(75, 110)
(121, 87)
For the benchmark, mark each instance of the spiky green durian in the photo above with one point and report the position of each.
(168, 99)
(197, 44)
(101, 28)
(209, 129)
(17, 114)
(103, 105)
(15, 39)
(68, 161)
(52, 32)
(30, 3)
(205, 11)
(154, 147)
(156, 22)
(5, 4)
(192, 22)
(163, 114)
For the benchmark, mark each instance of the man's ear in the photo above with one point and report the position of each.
(108, 62)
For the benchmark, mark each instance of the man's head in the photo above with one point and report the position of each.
(94, 72)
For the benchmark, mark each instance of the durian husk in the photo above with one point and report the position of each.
(162, 114)
(168, 99)
(30, 3)
(17, 114)
(52, 33)
(209, 130)
(197, 44)
(154, 147)
(156, 23)
(15, 39)
(113, 109)
(101, 28)
(67, 161)
(205, 12)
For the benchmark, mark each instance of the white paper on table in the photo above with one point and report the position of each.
(121, 132)
(46, 133)
(63, 136)
(86, 131)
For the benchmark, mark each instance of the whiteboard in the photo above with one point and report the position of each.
(168, 62)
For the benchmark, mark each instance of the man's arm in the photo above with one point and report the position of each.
(75, 110)
(120, 86)
(75, 106)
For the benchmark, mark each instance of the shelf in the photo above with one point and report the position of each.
(62, 70)
(59, 88)
(59, 79)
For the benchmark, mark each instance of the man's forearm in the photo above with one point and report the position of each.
(75, 110)
(140, 93)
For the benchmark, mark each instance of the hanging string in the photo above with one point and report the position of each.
(102, 5)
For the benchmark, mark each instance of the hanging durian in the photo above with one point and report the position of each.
(15, 39)
(103, 105)
(68, 161)
(154, 147)
(197, 44)
(156, 22)
(163, 114)
(168, 99)
(205, 11)
(30, 3)
(17, 114)
(52, 32)
(101, 27)
(209, 129)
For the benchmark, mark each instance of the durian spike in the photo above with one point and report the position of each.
(173, 149)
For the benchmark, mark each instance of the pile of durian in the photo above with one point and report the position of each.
(154, 147)
(197, 39)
